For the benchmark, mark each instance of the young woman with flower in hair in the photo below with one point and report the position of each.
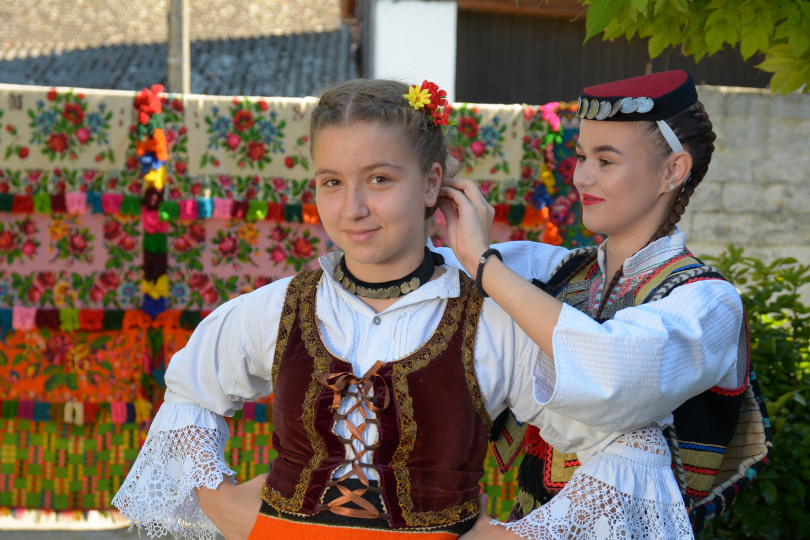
(636, 324)
(385, 364)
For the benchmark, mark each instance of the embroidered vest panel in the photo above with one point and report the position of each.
(721, 438)
(705, 423)
(432, 436)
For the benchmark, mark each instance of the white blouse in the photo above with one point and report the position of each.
(645, 362)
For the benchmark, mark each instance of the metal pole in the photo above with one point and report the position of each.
(179, 60)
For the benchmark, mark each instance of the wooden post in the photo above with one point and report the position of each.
(179, 60)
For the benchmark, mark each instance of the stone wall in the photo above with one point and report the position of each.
(757, 190)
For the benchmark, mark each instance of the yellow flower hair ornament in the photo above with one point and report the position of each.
(430, 98)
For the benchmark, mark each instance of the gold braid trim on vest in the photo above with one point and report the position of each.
(301, 296)
(454, 311)
(474, 306)
(435, 346)
(303, 287)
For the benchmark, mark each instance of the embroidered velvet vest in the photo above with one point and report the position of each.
(721, 438)
(432, 428)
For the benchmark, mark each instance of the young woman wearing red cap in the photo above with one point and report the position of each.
(644, 146)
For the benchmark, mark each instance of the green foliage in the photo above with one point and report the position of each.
(779, 29)
(776, 505)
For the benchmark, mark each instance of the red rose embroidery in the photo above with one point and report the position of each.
(58, 143)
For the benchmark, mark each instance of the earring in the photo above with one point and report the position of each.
(670, 187)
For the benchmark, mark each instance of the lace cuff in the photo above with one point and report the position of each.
(184, 450)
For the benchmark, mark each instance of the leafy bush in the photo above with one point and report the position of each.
(776, 505)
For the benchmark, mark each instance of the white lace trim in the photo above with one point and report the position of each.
(648, 439)
(158, 493)
(626, 491)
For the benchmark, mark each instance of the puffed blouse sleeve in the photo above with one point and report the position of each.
(647, 360)
(226, 362)
(527, 259)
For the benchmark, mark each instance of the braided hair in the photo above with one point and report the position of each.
(694, 129)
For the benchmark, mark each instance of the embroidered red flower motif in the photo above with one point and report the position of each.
(7, 240)
(23, 152)
(256, 150)
(28, 227)
(112, 229)
(289, 162)
(29, 248)
(181, 244)
(302, 247)
(261, 281)
(468, 126)
(197, 232)
(180, 167)
(78, 243)
(73, 113)
(242, 120)
(227, 246)
(46, 279)
(197, 281)
(566, 167)
(210, 295)
(58, 143)
(96, 294)
(108, 279)
(279, 233)
(57, 349)
(127, 243)
(278, 255)
(51, 95)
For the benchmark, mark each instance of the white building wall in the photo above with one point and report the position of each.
(414, 40)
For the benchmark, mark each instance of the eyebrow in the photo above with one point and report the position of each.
(372, 166)
(603, 148)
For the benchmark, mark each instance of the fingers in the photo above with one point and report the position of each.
(470, 190)
(448, 208)
(484, 498)
(467, 186)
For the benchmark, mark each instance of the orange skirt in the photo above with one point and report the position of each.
(267, 527)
